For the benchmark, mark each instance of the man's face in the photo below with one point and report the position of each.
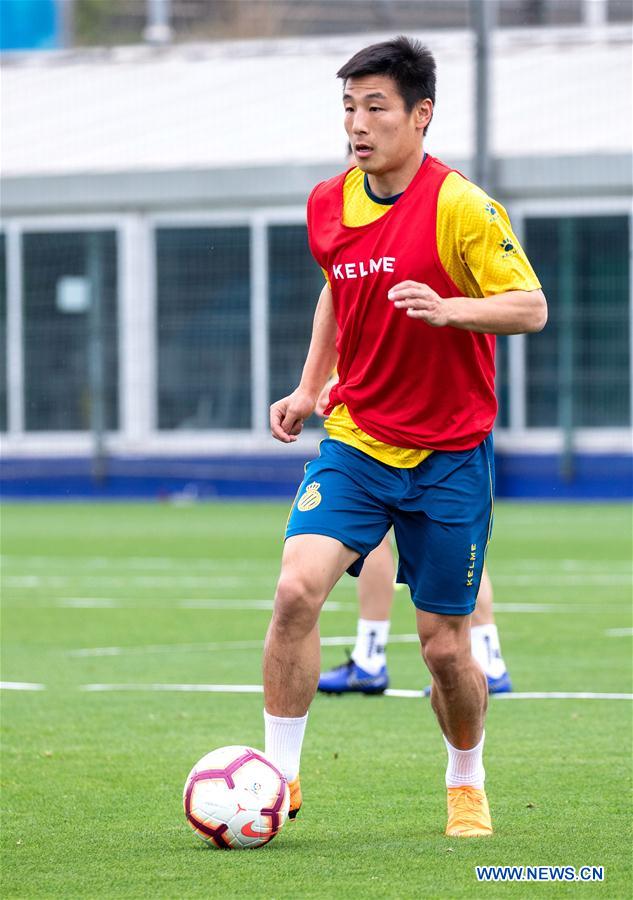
(382, 133)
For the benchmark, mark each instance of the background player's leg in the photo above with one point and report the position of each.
(483, 614)
(366, 670)
(375, 597)
(485, 642)
(375, 583)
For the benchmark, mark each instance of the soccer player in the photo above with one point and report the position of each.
(411, 415)
(365, 671)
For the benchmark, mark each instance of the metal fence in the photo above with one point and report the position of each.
(160, 329)
(95, 22)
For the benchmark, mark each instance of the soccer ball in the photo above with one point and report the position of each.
(235, 798)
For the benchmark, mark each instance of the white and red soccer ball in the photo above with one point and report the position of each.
(235, 798)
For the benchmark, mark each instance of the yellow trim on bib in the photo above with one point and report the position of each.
(341, 427)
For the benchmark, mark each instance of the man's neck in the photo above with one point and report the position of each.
(388, 184)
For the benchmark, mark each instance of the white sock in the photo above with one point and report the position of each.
(465, 767)
(284, 738)
(371, 644)
(485, 646)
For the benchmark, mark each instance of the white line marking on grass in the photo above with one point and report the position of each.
(554, 608)
(571, 564)
(393, 639)
(166, 648)
(561, 579)
(258, 689)
(396, 692)
(330, 605)
(333, 606)
(88, 603)
(221, 603)
(562, 695)
(225, 603)
(619, 632)
(139, 562)
(564, 579)
(179, 688)
(203, 647)
(112, 603)
(536, 607)
(149, 581)
(21, 686)
(339, 641)
(530, 695)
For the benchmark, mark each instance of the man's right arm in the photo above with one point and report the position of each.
(288, 414)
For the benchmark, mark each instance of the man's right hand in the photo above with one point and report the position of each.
(288, 415)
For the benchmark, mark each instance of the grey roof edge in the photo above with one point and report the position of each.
(595, 175)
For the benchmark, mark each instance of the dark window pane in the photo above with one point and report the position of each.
(502, 381)
(619, 11)
(513, 13)
(295, 284)
(578, 368)
(541, 241)
(65, 275)
(204, 355)
(3, 333)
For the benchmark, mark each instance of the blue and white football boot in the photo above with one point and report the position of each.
(351, 679)
(500, 685)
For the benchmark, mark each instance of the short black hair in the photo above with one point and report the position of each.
(406, 60)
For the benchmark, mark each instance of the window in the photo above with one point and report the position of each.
(578, 368)
(295, 282)
(203, 319)
(502, 380)
(619, 10)
(70, 330)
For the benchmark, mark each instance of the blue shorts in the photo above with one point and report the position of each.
(441, 511)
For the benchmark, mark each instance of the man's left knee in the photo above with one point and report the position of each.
(446, 651)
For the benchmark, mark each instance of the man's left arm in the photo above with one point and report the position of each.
(513, 312)
(477, 248)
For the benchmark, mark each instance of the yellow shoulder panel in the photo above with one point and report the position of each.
(476, 244)
(358, 208)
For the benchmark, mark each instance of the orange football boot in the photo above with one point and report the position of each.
(468, 813)
(295, 797)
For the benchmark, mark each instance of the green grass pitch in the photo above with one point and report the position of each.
(146, 594)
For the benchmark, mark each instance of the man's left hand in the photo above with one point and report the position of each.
(420, 302)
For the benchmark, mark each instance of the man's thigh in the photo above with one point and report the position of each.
(442, 539)
(316, 561)
(340, 498)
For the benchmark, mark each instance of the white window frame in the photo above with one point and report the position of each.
(518, 437)
(136, 290)
(257, 439)
(17, 441)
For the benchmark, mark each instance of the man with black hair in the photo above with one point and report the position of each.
(365, 671)
(422, 270)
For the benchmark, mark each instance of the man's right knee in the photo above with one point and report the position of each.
(297, 603)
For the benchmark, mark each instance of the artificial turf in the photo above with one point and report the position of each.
(162, 594)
